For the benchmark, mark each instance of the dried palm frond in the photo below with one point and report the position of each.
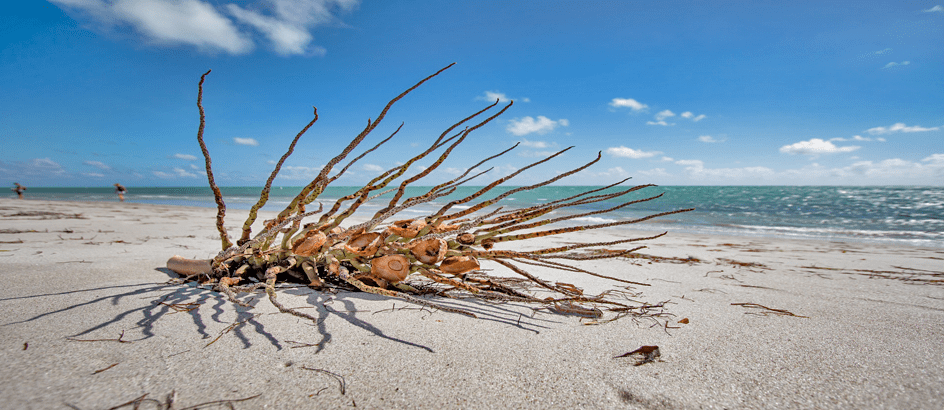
(445, 248)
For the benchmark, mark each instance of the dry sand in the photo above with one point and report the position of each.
(871, 334)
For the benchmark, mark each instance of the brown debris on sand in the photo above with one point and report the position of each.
(439, 253)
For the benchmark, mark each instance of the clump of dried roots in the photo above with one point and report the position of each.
(439, 253)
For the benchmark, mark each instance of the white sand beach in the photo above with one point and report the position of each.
(90, 322)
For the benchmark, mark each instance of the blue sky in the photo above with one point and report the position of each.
(672, 92)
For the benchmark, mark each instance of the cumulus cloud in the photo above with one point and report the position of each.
(899, 127)
(857, 138)
(624, 152)
(299, 173)
(815, 146)
(662, 123)
(373, 168)
(98, 165)
(708, 139)
(693, 117)
(187, 157)
(178, 173)
(894, 64)
(696, 170)
(628, 102)
(246, 141)
(537, 144)
(283, 23)
(491, 96)
(661, 115)
(655, 172)
(894, 170)
(37, 167)
(528, 125)
(190, 22)
(935, 9)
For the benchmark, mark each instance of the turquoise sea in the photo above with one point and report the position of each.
(888, 214)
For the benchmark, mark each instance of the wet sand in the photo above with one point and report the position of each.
(90, 322)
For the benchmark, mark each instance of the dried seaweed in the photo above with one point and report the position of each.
(765, 311)
(440, 253)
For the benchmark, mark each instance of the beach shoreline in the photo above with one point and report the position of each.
(772, 323)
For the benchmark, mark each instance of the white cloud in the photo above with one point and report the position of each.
(894, 64)
(899, 127)
(613, 173)
(937, 159)
(373, 168)
(696, 170)
(537, 144)
(246, 141)
(178, 172)
(815, 146)
(655, 172)
(191, 22)
(536, 154)
(187, 157)
(44, 167)
(92, 175)
(883, 51)
(286, 38)
(857, 138)
(894, 170)
(491, 96)
(935, 9)
(628, 102)
(708, 138)
(299, 173)
(662, 123)
(528, 125)
(98, 165)
(667, 159)
(624, 152)
(664, 114)
(37, 167)
(201, 24)
(287, 28)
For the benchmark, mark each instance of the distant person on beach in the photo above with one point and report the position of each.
(18, 189)
(120, 190)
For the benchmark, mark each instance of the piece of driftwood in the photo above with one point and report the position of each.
(439, 253)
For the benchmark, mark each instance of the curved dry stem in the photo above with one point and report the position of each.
(217, 195)
(264, 196)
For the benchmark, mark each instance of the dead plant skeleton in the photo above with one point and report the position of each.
(439, 253)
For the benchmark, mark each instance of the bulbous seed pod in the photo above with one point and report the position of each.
(467, 238)
(309, 244)
(429, 251)
(365, 244)
(458, 265)
(445, 228)
(407, 228)
(391, 268)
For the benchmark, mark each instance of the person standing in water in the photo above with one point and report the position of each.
(120, 190)
(18, 189)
